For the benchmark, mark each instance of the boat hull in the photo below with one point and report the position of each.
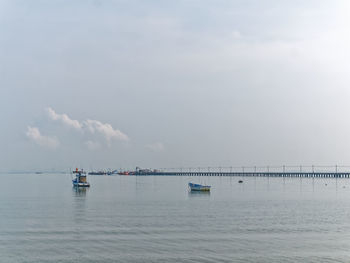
(85, 184)
(198, 187)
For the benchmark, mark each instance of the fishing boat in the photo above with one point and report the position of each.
(80, 180)
(198, 187)
(100, 173)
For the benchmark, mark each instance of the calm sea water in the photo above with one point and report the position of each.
(156, 219)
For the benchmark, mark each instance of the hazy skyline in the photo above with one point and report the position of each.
(100, 84)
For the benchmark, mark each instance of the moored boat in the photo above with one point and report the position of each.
(80, 180)
(100, 173)
(199, 187)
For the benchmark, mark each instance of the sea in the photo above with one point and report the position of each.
(156, 219)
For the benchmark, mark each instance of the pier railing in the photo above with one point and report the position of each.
(267, 171)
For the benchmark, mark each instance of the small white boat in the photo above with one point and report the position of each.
(199, 187)
(80, 180)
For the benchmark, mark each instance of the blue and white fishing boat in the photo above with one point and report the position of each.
(198, 187)
(80, 180)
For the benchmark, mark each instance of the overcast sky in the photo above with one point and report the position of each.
(110, 84)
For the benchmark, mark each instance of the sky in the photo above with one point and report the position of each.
(188, 83)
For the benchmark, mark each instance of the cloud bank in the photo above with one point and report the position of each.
(34, 134)
(63, 118)
(105, 129)
(89, 126)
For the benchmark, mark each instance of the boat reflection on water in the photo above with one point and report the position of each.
(79, 191)
(198, 193)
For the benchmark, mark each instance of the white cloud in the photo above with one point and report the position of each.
(91, 145)
(34, 134)
(105, 129)
(155, 147)
(90, 126)
(63, 118)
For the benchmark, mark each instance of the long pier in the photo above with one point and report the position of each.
(312, 172)
(251, 174)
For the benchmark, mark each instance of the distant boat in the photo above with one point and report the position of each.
(100, 173)
(240, 181)
(199, 187)
(80, 180)
(127, 173)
